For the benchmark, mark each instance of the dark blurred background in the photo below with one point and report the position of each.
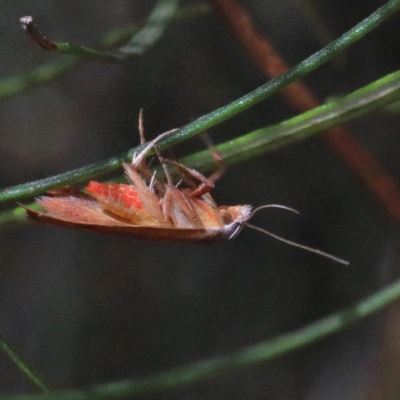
(86, 309)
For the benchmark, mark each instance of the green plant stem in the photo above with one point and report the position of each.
(377, 94)
(22, 365)
(18, 84)
(144, 39)
(215, 117)
(122, 35)
(296, 73)
(249, 356)
(78, 175)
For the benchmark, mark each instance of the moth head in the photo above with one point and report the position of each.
(238, 214)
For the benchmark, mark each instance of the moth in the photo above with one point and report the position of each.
(152, 208)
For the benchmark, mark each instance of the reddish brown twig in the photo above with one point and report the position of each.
(300, 97)
(36, 36)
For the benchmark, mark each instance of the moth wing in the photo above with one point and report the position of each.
(73, 210)
(147, 196)
(127, 202)
(88, 218)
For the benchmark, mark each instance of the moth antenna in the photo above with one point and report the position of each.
(153, 178)
(216, 156)
(273, 206)
(164, 166)
(300, 246)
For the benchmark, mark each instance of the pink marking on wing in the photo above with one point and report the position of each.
(118, 193)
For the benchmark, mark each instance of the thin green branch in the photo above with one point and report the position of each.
(67, 178)
(122, 35)
(249, 356)
(215, 117)
(22, 365)
(18, 84)
(377, 94)
(139, 43)
(15, 85)
(296, 73)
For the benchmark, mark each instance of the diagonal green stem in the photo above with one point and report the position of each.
(18, 84)
(252, 355)
(296, 73)
(22, 365)
(78, 175)
(377, 94)
(217, 116)
(15, 85)
(155, 27)
(145, 38)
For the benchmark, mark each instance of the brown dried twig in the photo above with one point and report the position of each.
(35, 34)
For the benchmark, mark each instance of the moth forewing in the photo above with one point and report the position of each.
(151, 202)
(109, 225)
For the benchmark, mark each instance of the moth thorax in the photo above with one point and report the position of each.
(225, 215)
(231, 214)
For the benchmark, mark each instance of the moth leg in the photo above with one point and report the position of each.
(146, 194)
(216, 156)
(178, 206)
(180, 209)
(139, 162)
(139, 158)
(141, 127)
(191, 177)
